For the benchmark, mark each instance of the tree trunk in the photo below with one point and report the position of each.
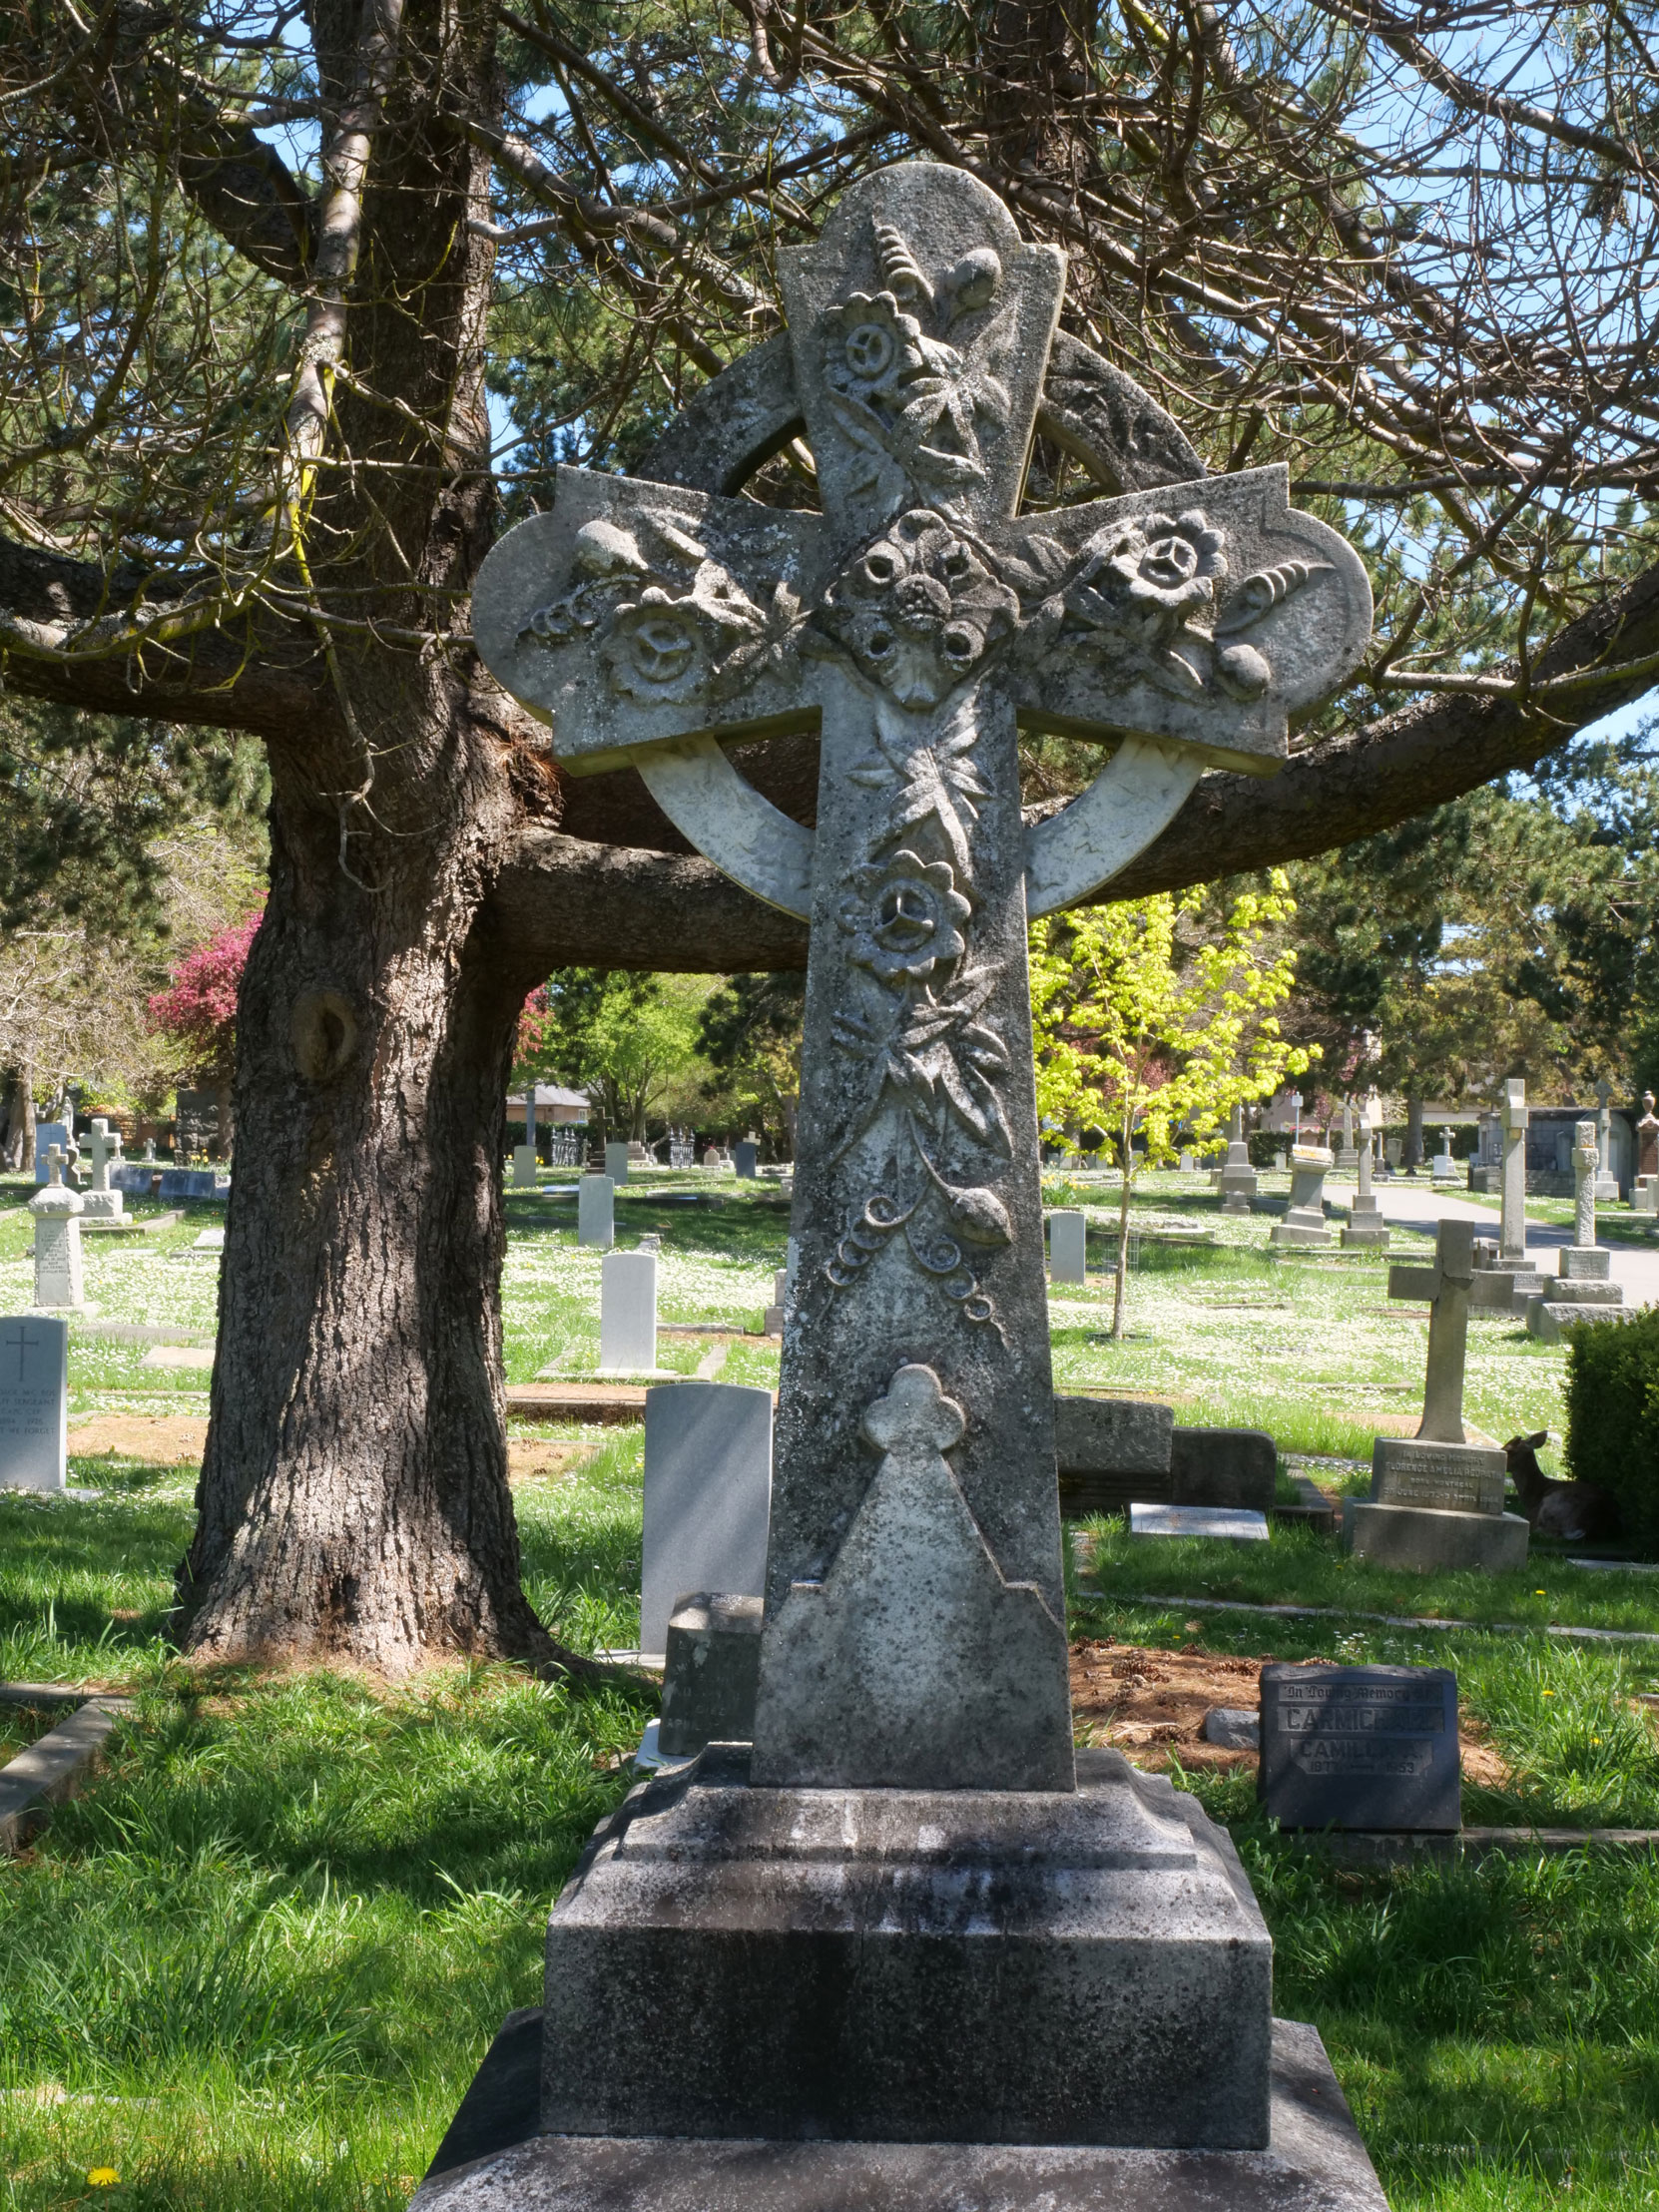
(354, 1500)
(1413, 1135)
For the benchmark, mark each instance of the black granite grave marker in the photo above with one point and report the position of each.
(1361, 1747)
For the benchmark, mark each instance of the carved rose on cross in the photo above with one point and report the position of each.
(918, 609)
(664, 650)
(872, 346)
(904, 917)
(1141, 588)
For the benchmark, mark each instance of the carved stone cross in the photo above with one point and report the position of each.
(1452, 1285)
(918, 624)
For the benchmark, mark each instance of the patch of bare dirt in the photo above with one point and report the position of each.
(179, 1440)
(1151, 1705)
(158, 1440)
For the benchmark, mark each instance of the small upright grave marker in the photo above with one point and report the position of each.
(708, 1488)
(596, 1210)
(628, 1312)
(1236, 1180)
(48, 1134)
(1436, 1501)
(616, 1162)
(1069, 1236)
(1304, 1222)
(103, 1201)
(1584, 1289)
(57, 1213)
(34, 1404)
(745, 1158)
(1511, 1249)
(1365, 1226)
(1361, 1747)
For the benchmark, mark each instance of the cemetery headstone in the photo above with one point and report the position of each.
(149, 1154)
(1365, 1226)
(34, 1404)
(745, 1156)
(708, 1489)
(1111, 1452)
(1304, 1222)
(616, 1163)
(1516, 1115)
(1237, 1182)
(1068, 1240)
(57, 1212)
(772, 1323)
(628, 1312)
(1584, 1289)
(1223, 1466)
(595, 1210)
(1443, 1167)
(1361, 1748)
(1644, 1192)
(103, 1200)
(1348, 1159)
(1394, 1151)
(524, 1155)
(912, 1727)
(1436, 1501)
(1187, 1163)
(48, 1134)
(1606, 1182)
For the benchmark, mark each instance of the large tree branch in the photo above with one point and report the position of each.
(239, 674)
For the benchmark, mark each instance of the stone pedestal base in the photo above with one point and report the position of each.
(493, 2160)
(1304, 1232)
(101, 1206)
(1236, 1202)
(1549, 1318)
(1428, 1537)
(1367, 1235)
(904, 1966)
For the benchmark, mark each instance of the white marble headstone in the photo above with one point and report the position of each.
(708, 1490)
(1067, 1247)
(34, 1404)
(616, 1162)
(596, 1210)
(628, 1312)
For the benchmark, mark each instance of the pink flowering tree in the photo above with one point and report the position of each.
(197, 1010)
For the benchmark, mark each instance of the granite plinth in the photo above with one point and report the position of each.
(1361, 1747)
(711, 1670)
(1576, 1290)
(1549, 1318)
(1457, 1479)
(1367, 1234)
(1314, 2162)
(1585, 1264)
(1287, 1232)
(1428, 1537)
(909, 1966)
(1111, 1450)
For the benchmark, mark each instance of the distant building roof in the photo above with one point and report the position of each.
(573, 1104)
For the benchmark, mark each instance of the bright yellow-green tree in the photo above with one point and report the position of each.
(1156, 1014)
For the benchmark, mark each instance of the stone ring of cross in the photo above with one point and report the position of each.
(1181, 623)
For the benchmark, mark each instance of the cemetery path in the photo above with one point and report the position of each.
(1636, 1271)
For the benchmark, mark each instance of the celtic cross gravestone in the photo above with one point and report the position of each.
(918, 624)
(728, 1960)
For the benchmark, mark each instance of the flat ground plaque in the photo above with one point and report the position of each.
(1361, 1747)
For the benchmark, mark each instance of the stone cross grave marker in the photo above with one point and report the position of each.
(916, 625)
(1453, 1285)
(1365, 1226)
(34, 1404)
(1606, 1183)
(1511, 1251)
(104, 1201)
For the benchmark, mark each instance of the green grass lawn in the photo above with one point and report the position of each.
(255, 1967)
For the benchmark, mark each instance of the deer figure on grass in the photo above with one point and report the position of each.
(1571, 1511)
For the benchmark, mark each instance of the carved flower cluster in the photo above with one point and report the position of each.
(904, 917)
(1150, 578)
(872, 348)
(918, 609)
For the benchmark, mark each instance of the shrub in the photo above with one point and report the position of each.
(1613, 1416)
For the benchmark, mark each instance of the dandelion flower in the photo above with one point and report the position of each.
(103, 2177)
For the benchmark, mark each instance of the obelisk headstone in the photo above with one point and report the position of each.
(1365, 1226)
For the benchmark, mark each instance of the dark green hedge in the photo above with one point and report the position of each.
(1614, 1418)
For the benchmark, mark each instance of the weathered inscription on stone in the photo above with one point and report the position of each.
(33, 1360)
(1455, 1478)
(1360, 1747)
